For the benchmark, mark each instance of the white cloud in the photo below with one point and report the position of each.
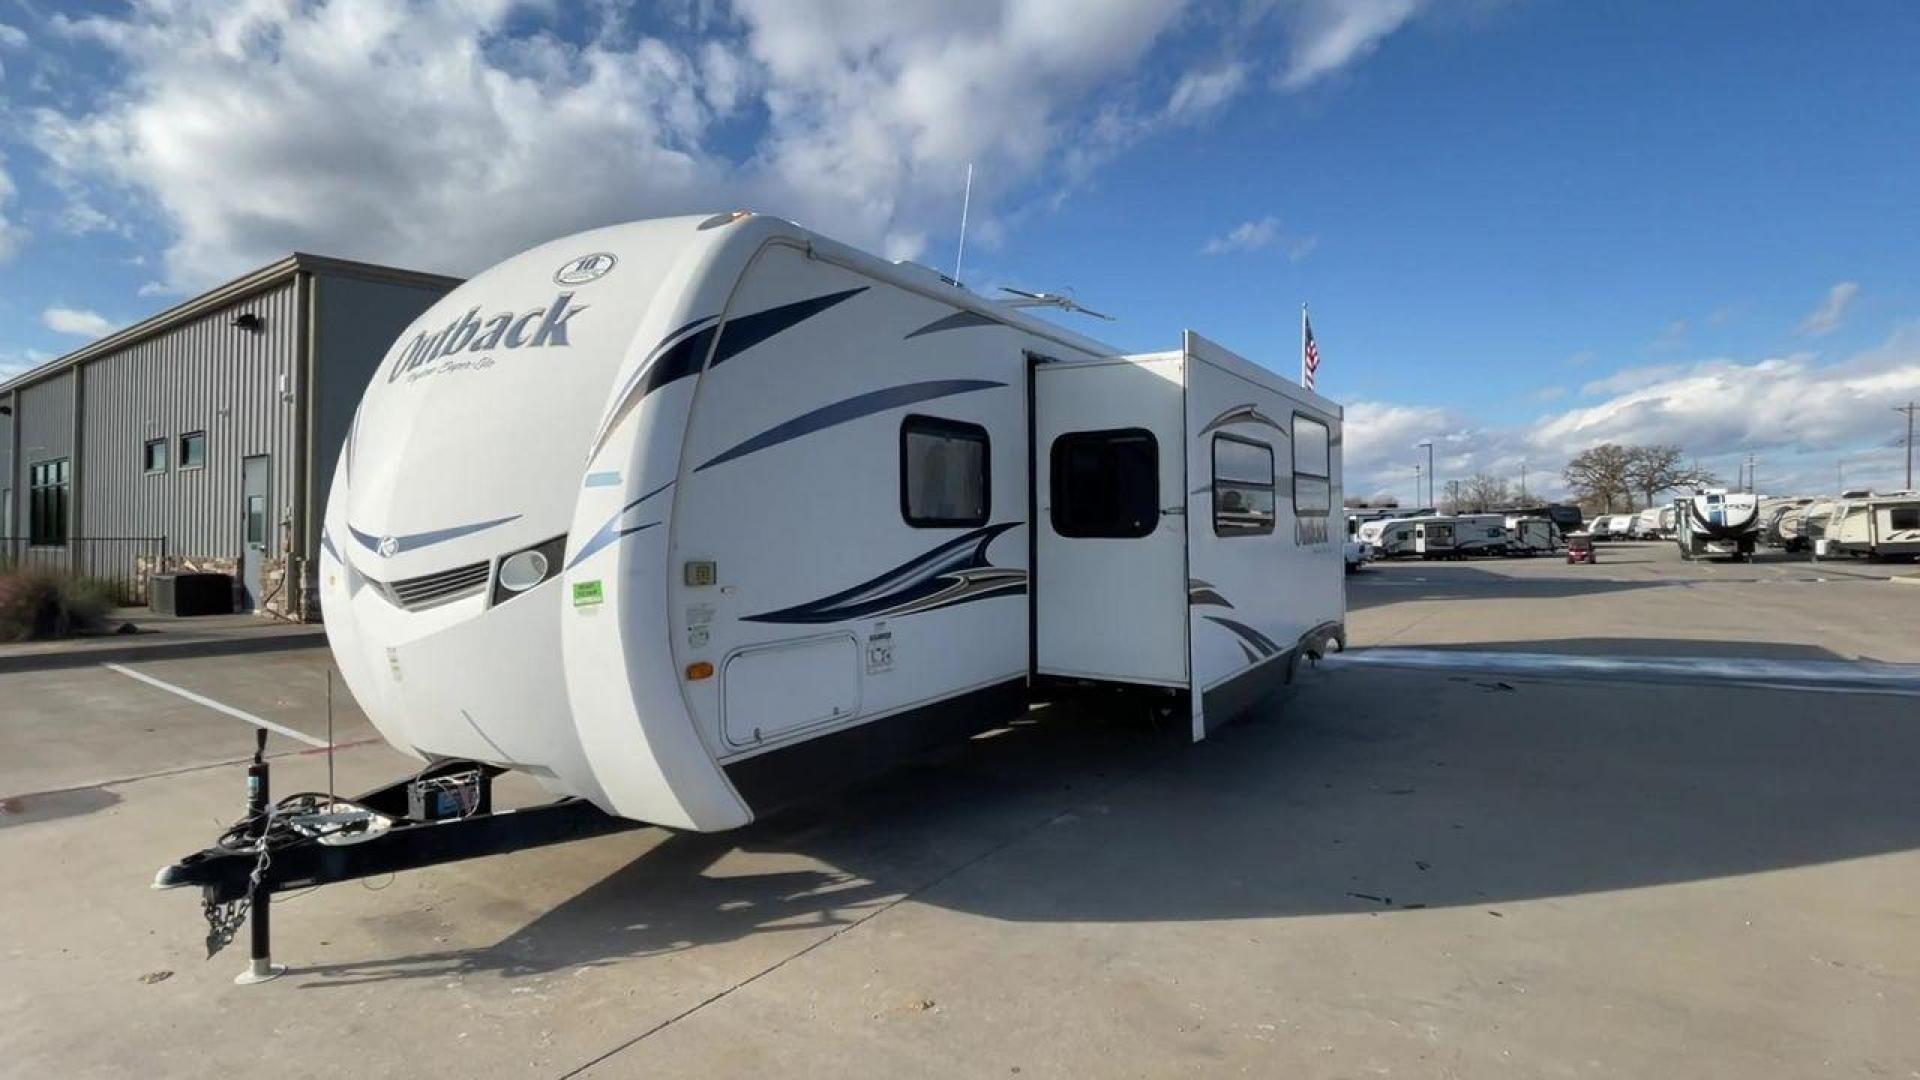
(1246, 236)
(12, 37)
(1798, 415)
(15, 361)
(444, 134)
(1260, 233)
(1826, 318)
(1327, 35)
(1201, 92)
(77, 321)
(12, 236)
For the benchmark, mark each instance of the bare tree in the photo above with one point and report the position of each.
(1654, 470)
(1481, 492)
(1598, 475)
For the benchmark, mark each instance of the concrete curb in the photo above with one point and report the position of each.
(168, 650)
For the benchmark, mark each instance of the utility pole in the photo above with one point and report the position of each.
(1909, 409)
(1523, 483)
(1416, 486)
(1752, 475)
(1431, 497)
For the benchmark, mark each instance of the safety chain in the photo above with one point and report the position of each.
(225, 920)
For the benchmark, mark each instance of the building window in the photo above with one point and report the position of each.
(944, 473)
(193, 450)
(1242, 487)
(47, 488)
(1106, 484)
(154, 458)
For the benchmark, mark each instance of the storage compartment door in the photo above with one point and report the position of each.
(769, 691)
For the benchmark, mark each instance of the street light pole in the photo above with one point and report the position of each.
(1909, 409)
(1431, 497)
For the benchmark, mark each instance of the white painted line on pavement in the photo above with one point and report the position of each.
(216, 706)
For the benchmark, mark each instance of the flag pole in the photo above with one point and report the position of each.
(1303, 344)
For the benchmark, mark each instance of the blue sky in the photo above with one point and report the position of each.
(1524, 227)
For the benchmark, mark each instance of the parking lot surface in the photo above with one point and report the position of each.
(1438, 872)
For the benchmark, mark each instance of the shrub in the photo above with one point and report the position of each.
(40, 604)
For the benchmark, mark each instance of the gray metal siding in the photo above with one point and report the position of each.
(207, 375)
(7, 481)
(356, 322)
(44, 411)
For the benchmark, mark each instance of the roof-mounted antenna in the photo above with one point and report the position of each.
(965, 202)
(1044, 299)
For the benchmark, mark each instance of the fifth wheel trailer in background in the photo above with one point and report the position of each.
(1717, 523)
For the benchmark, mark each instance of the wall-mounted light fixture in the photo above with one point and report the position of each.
(246, 320)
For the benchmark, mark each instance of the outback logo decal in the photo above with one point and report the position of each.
(543, 327)
(388, 547)
(585, 268)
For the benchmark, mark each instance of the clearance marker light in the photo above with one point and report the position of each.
(698, 670)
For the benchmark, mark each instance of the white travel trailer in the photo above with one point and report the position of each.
(685, 516)
(1877, 526)
(1717, 522)
(1459, 536)
(1390, 537)
(1531, 535)
(1645, 525)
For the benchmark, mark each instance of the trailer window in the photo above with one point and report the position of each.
(1312, 470)
(1242, 487)
(943, 473)
(1904, 517)
(1105, 483)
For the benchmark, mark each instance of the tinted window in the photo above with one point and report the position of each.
(154, 458)
(1312, 468)
(1904, 517)
(943, 473)
(193, 450)
(1105, 483)
(1242, 487)
(47, 487)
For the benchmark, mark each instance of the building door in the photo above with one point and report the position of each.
(1110, 530)
(255, 528)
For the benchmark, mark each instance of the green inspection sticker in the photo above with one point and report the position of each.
(587, 592)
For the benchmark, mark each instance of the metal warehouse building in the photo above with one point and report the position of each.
(204, 437)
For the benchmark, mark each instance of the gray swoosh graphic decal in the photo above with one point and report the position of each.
(611, 531)
(1244, 414)
(959, 320)
(956, 572)
(852, 408)
(1202, 594)
(326, 541)
(416, 541)
(1247, 634)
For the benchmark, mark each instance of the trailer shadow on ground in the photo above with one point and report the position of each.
(1354, 791)
(1665, 648)
(1375, 586)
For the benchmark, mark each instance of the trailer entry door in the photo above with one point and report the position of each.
(1109, 473)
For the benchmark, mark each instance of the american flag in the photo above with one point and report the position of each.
(1309, 352)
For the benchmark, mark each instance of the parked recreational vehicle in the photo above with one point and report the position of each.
(1645, 525)
(1717, 522)
(1531, 535)
(1878, 526)
(1390, 537)
(1460, 536)
(680, 515)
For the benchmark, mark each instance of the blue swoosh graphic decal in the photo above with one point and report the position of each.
(852, 408)
(416, 541)
(611, 531)
(959, 320)
(1247, 634)
(956, 572)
